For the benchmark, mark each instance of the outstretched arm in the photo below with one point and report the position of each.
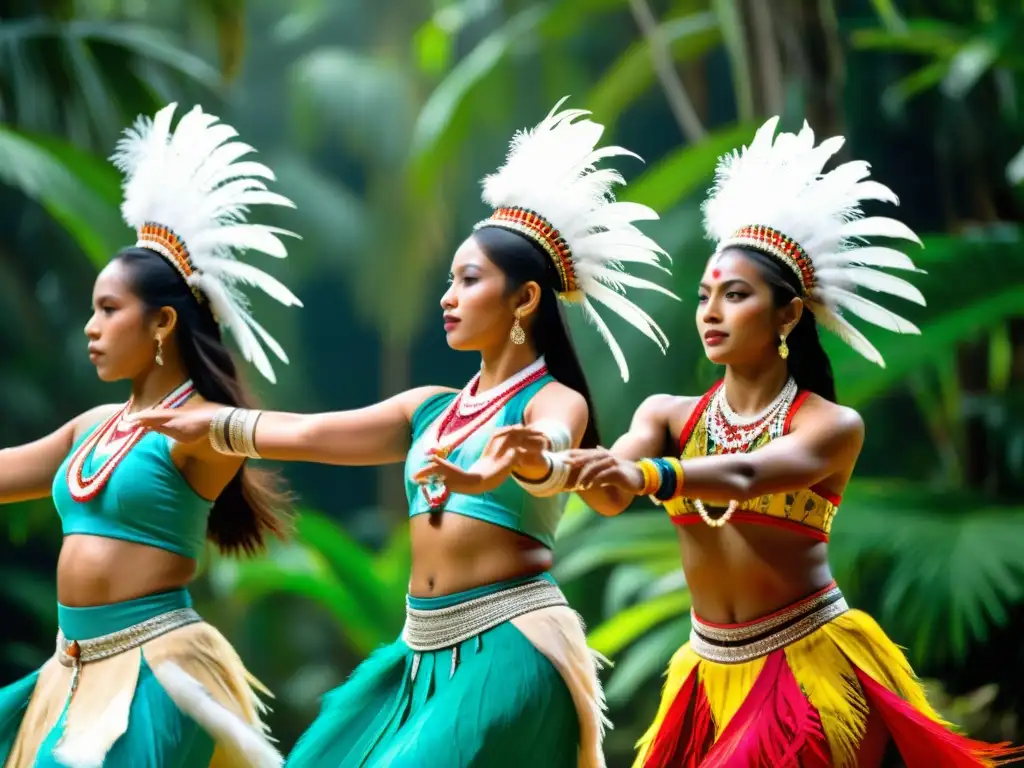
(371, 436)
(26, 471)
(647, 435)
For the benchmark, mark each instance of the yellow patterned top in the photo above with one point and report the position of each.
(809, 511)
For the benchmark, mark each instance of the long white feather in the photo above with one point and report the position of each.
(193, 181)
(779, 181)
(552, 170)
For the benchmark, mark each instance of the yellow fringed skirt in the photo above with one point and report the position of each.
(799, 688)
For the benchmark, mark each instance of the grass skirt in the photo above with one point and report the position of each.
(808, 704)
(183, 699)
(523, 693)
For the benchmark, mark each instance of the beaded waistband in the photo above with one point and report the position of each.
(432, 630)
(737, 643)
(74, 653)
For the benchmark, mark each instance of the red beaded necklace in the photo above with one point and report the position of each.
(455, 426)
(120, 436)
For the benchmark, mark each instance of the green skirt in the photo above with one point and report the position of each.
(502, 704)
(152, 706)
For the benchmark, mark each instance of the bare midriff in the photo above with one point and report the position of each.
(452, 553)
(93, 570)
(741, 572)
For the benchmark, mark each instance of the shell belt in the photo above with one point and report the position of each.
(735, 644)
(74, 653)
(435, 630)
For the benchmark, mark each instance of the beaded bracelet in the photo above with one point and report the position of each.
(663, 478)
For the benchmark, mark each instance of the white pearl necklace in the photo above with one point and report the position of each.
(471, 404)
(734, 433)
(773, 418)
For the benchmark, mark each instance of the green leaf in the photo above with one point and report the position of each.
(632, 73)
(685, 170)
(647, 658)
(860, 382)
(352, 565)
(615, 634)
(65, 182)
(929, 38)
(257, 580)
(436, 125)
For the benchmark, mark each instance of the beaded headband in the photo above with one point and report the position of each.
(779, 246)
(163, 241)
(538, 229)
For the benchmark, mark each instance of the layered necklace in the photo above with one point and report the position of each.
(112, 441)
(732, 433)
(469, 411)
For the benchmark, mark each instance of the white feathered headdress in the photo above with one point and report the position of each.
(550, 191)
(773, 197)
(187, 194)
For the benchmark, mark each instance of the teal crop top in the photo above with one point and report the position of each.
(508, 505)
(146, 500)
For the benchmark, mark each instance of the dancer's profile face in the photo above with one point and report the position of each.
(736, 317)
(122, 339)
(477, 312)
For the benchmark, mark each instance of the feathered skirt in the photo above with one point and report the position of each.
(496, 676)
(812, 685)
(138, 684)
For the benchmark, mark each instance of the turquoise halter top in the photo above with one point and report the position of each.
(508, 505)
(146, 500)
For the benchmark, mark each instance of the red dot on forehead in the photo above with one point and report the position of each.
(716, 273)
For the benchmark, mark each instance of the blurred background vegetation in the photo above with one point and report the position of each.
(380, 117)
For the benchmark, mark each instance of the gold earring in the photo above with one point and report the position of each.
(783, 347)
(159, 351)
(517, 334)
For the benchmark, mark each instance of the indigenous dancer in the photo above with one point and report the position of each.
(778, 671)
(492, 667)
(138, 679)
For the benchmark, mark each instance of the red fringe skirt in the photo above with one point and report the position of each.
(812, 685)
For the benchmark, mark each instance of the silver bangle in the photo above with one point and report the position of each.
(558, 434)
(554, 483)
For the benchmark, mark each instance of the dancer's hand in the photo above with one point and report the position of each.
(509, 448)
(598, 467)
(186, 425)
(529, 445)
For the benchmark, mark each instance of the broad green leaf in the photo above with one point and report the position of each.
(585, 559)
(647, 658)
(615, 634)
(352, 564)
(859, 381)
(258, 580)
(432, 136)
(684, 171)
(66, 187)
(632, 73)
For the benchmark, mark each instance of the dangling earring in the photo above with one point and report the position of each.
(159, 351)
(783, 347)
(517, 334)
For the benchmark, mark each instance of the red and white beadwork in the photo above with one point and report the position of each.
(467, 413)
(733, 433)
(117, 435)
